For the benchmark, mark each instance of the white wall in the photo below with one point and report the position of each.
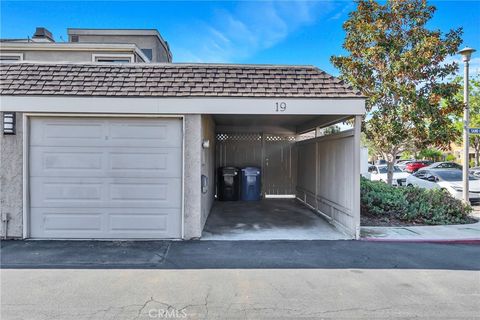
(327, 179)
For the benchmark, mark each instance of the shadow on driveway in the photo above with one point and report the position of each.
(238, 255)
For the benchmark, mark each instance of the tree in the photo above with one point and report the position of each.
(430, 154)
(399, 65)
(474, 94)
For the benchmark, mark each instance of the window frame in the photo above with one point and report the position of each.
(112, 56)
(151, 50)
(16, 54)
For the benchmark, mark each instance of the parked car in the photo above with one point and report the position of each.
(379, 173)
(444, 165)
(475, 171)
(449, 180)
(403, 163)
(413, 166)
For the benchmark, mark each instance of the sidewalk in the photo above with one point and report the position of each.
(466, 233)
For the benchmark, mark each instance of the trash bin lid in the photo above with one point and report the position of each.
(230, 171)
(251, 170)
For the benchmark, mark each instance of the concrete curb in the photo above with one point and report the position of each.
(458, 241)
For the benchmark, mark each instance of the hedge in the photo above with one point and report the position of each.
(412, 204)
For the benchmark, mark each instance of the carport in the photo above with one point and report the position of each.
(307, 176)
(131, 151)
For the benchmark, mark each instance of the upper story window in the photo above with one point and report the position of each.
(11, 57)
(148, 53)
(113, 58)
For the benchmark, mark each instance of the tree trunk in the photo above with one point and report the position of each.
(391, 158)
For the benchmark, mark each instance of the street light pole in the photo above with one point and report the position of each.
(466, 54)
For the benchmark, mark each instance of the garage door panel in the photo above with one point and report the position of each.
(72, 221)
(143, 163)
(144, 134)
(102, 193)
(105, 178)
(108, 223)
(105, 162)
(63, 131)
(130, 222)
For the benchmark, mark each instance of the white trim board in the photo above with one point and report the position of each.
(187, 105)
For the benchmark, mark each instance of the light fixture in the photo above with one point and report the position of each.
(9, 123)
(466, 53)
(206, 144)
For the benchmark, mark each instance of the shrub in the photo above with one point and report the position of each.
(450, 157)
(411, 204)
(434, 207)
(379, 199)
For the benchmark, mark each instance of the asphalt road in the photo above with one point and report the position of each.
(239, 280)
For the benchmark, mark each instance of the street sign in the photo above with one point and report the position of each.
(474, 130)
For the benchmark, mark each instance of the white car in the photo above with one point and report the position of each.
(475, 171)
(445, 179)
(444, 165)
(379, 173)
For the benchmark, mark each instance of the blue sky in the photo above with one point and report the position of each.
(279, 32)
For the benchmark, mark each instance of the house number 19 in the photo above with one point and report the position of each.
(280, 106)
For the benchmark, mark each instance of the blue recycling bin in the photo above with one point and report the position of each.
(250, 183)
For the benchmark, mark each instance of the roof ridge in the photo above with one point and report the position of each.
(168, 64)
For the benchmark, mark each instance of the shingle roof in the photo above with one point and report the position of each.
(171, 80)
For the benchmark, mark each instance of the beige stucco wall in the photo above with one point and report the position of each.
(11, 180)
(159, 53)
(208, 166)
(192, 177)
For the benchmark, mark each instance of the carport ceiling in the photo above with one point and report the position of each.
(297, 123)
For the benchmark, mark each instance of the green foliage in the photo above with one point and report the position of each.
(378, 198)
(411, 204)
(399, 65)
(433, 207)
(450, 157)
(407, 154)
(430, 154)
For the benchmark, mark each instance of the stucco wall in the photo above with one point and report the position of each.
(192, 177)
(11, 179)
(208, 166)
(159, 53)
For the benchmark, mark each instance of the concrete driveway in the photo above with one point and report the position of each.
(217, 280)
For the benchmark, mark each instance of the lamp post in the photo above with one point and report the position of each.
(466, 54)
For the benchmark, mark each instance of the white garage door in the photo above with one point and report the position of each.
(105, 178)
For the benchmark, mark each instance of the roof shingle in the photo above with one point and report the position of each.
(171, 80)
